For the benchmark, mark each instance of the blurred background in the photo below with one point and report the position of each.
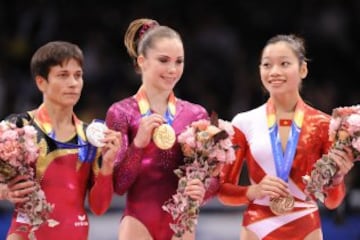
(222, 39)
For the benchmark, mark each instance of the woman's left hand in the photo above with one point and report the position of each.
(344, 161)
(195, 189)
(112, 142)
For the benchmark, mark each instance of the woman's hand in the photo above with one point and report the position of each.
(195, 189)
(146, 129)
(18, 189)
(344, 161)
(269, 186)
(112, 142)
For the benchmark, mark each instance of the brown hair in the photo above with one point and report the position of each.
(52, 54)
(142, 33)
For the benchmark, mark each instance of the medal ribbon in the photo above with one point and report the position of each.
(87, 152)
(145, 109)
(283, 160)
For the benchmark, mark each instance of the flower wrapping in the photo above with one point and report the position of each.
(344, 131)
(206, 146)
(18, 154)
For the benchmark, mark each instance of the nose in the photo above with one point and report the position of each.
(274, 70)
(73, 80)
(172, 68)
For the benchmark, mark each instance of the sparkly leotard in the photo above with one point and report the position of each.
(66, 181)
(146, 175)
(255, 147)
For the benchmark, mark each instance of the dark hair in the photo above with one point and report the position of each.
(296, 43)
(142, 33)
(52, 54)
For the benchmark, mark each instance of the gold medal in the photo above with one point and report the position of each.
(164, 136)
(282, 205)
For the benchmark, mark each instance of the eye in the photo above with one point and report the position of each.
(285, 64)
(163, 60)
(179, 61)
(265, 65)
(63, 75)
(78, 75)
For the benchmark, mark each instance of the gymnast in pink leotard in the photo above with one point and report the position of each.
(142, 170)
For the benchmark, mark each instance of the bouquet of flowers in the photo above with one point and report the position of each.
(344, 131)
(206, 146)
(18, 154)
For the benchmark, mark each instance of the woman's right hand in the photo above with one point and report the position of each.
(19, 188)
(269, 186)
(146, 128)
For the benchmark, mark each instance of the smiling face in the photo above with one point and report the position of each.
(163, 65)
(63, 85)
(281, 71)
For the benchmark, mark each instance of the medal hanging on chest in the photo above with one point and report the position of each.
(283, 160)
(164, 136)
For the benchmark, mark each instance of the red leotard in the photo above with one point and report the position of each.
(65, 181)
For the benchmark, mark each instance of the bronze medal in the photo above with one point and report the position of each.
(282, 205)
(164, 136)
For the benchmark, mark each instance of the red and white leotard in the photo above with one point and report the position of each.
(255, 148)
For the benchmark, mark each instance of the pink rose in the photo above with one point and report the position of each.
(356, 144)
(354, 123)
(9, 135)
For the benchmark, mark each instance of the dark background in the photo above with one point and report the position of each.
(222, 40)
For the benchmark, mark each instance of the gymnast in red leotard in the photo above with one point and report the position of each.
(68, 168)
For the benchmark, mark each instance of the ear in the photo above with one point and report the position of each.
(303, 70)
(140, 61)
(41, 83)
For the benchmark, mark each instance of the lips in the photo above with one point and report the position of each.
(169, 78)
(276, 81)
(71, 94)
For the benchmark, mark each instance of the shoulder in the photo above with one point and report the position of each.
(123, 105)
(126, 107)
(194, 108)
(244, 118)
(315, 115)
(121, 113)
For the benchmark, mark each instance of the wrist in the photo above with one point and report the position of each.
(137, 144)
(336, 180)
(249, 193)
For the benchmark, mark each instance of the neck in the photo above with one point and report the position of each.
(158, 100)
(59, 116)
(285, 104)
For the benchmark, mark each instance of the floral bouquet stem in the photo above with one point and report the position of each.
(344, 131)
(183, 209)
(206, 146)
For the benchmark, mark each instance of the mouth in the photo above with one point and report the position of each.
(72, 94)
(169, 79)
(276, 81)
